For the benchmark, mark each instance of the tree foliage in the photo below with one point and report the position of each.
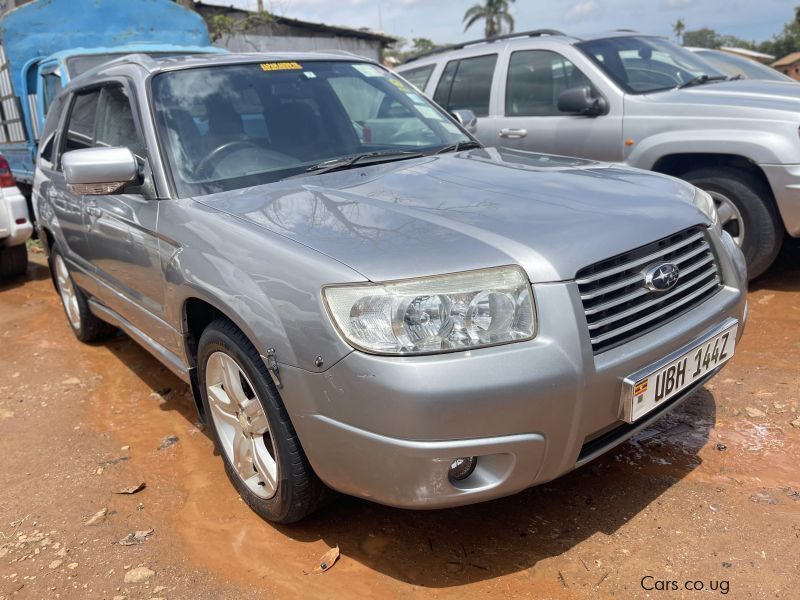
(224, 26)
(709, 38)
(787, 41)
(678, 28)
(402, 51)
(494, 13)
(783, 43)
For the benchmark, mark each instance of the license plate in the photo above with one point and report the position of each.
(650, 388)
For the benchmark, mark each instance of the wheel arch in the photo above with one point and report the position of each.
(198, 311)
(680, 164)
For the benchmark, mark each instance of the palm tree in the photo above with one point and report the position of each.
(679, 27)
(494, 12)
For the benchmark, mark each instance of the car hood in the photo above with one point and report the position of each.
(469, 210)
(740, 94)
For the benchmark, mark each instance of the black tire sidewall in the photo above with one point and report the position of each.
(13, 261)
(763, 231)
(221, 337)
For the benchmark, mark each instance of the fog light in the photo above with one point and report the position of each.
(461, 468)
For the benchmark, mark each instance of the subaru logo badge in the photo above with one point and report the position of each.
(661, 277)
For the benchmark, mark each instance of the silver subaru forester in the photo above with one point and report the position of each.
(361, 296)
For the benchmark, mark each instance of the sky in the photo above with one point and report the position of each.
(441, 20)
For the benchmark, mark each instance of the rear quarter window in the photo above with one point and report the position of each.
(419, 77)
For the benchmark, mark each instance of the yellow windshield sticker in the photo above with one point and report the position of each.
(281, 66)
(399, 85)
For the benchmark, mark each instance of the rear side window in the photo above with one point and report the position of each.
(80, 126)
(535, 80)
(419, 77)
(467, 84)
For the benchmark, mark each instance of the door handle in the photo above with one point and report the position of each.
(93, 210)
(513, 134)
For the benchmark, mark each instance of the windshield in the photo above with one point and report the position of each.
(77, 65)
(233, 126)
(641, 65)
(742, 67)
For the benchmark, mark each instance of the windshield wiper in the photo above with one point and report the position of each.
(339, 164)
(459, 146)
(701, 79)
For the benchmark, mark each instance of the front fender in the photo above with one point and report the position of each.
(759, 147)
(267, 285)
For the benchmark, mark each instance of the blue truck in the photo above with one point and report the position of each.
(46, 43)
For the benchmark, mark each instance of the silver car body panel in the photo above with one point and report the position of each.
(756, 120)
(381, 427)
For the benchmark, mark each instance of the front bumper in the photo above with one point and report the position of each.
(785, 183)
(387, 428)
(15, 223)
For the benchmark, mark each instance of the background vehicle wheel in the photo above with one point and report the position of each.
(86, 326)
(13, 261)
(252, 431)
(747, 212)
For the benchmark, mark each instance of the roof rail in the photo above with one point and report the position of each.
(497, 38)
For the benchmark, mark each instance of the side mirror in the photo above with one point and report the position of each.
(99, 171)
(579, 101)
(466, 118)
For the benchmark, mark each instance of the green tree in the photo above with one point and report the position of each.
(678, 28)
(422, 45)
(495, 13)
(787, 41)
(702, 38)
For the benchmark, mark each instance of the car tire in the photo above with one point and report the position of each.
(748, 213)
(252, 430)
(84, 324)
(13, 261)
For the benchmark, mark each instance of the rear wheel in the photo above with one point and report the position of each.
(747, 212)
(85, 326)
(252, 431)
(13, 261)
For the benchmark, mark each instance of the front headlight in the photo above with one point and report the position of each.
(705, 203)
(435, 314)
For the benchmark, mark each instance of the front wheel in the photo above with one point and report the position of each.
(251, 428)
(746, 211)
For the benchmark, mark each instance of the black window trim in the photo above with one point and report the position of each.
(458, 62)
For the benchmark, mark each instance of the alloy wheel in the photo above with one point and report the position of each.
(241, 424)
(69, 296)
(729, 216)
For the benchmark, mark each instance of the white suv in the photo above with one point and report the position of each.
(15, 225)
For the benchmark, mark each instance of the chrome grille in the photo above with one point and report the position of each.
(619, 307)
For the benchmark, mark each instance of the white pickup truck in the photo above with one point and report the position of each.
(15, 225)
